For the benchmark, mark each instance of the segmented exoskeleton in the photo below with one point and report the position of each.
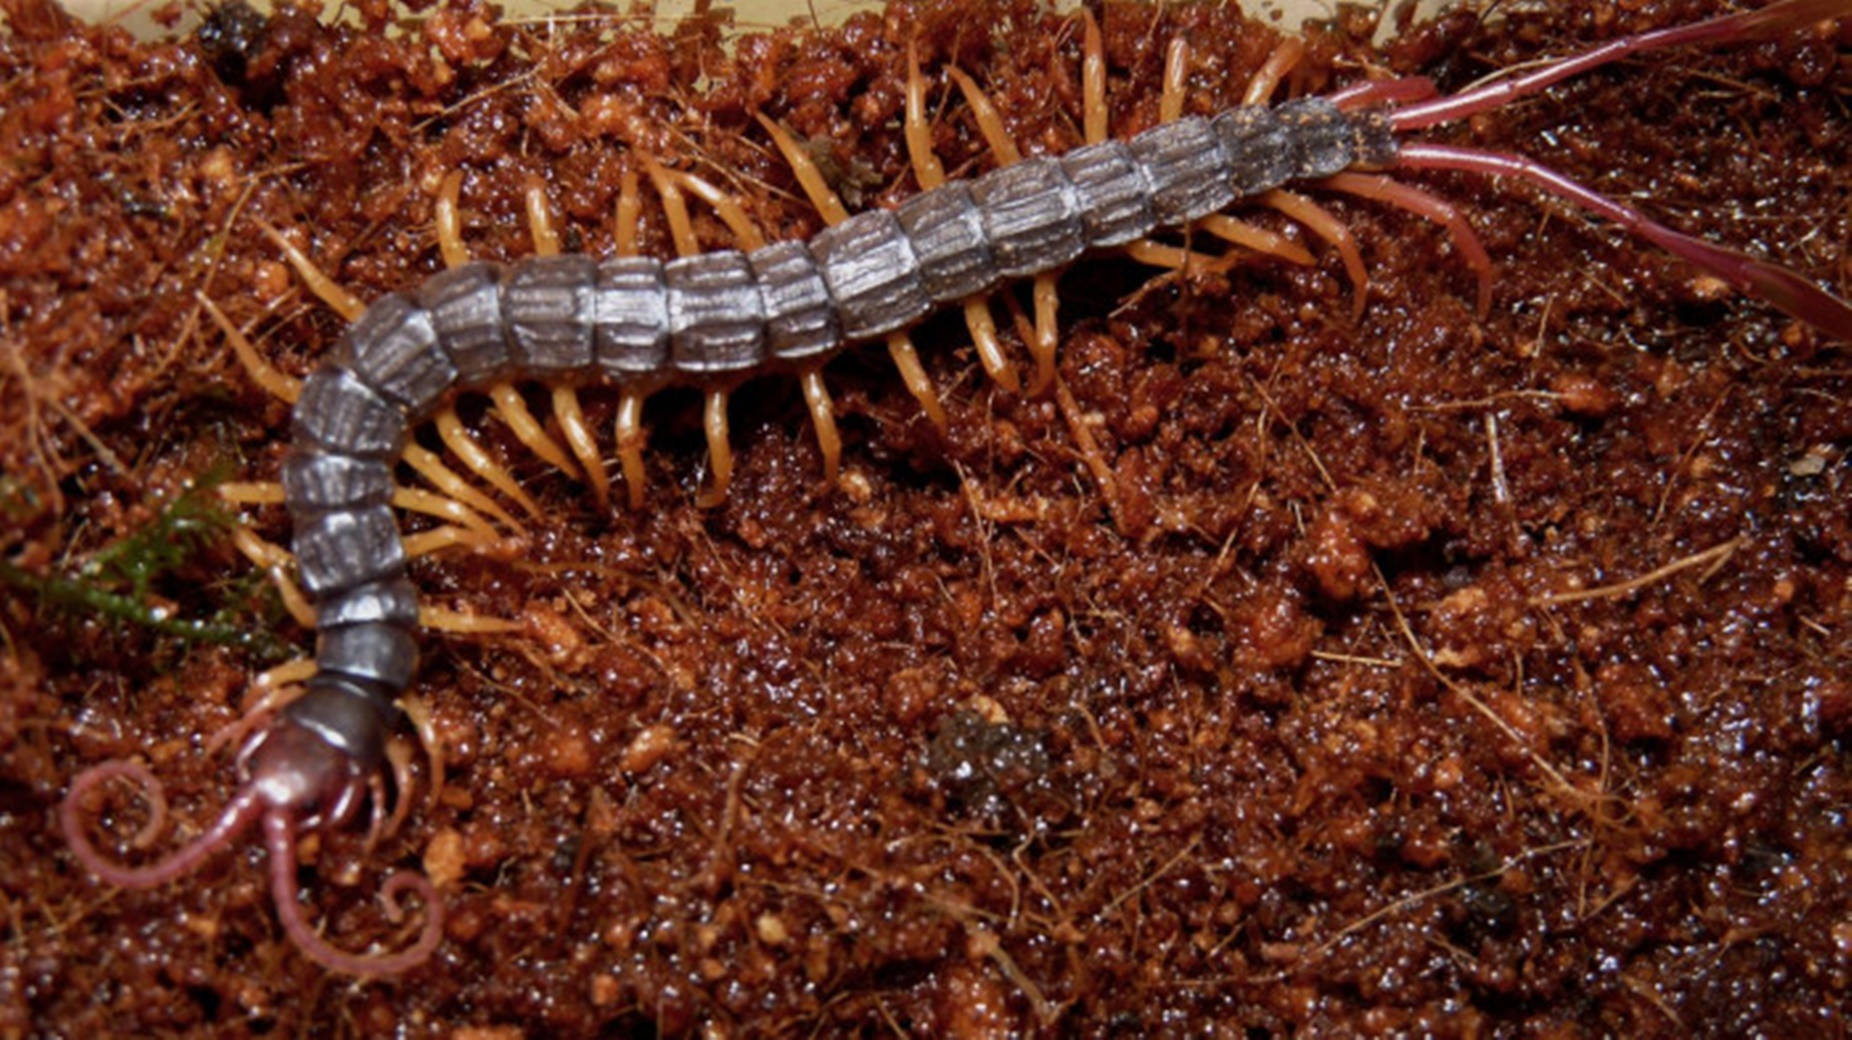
(643, 323)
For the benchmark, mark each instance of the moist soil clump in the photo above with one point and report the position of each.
(1280, 671)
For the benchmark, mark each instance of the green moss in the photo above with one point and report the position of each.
(117, 582)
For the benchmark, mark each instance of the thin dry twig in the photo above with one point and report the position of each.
(1716, 554)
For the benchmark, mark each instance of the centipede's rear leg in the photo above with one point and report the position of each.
(1149, 251)
(1315, 218)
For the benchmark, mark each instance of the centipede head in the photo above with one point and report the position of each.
(290, 768)
(309, 765)
(322, 754)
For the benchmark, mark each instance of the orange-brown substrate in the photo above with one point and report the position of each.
(1429, 672)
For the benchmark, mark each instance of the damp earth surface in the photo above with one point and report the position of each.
(1425, 671)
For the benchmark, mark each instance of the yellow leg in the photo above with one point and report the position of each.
(719, 451)
(990, 354)
(809, 178)
(1259, 239)
(674, 207)
(446, 480)
(450, 429)
(425, 725)
(1090, 452)
(1175, 258)
(1092, 78)
(418, 500)
(630, 442)
(727, 208)
(540, 218)
(268, 378)
(823, 420)
(437, 539)
(1045, 338)
(1420, 203)
(931, 174)
(443, 619)
(342, 302)
(512, 407)
(1267, 78)
(579, 437)
(1176, 80)
(629, 214)
(989, 122)
(913, 374)
(274, 559)
(926, 166)
(449, 222)
(1321, 222)
(252, 493)
(270, 691)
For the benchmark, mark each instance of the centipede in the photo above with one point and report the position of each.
(711, 321)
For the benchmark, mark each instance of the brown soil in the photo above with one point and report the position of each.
(1425, 673)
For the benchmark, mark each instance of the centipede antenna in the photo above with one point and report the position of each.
(1786, 289)
(1776, 17)
(238, 814)
(280, 838)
